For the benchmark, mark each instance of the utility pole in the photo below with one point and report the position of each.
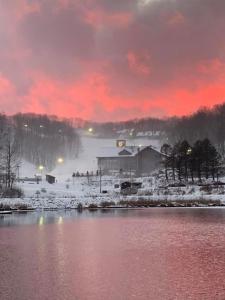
(100, 179)
(18, 172)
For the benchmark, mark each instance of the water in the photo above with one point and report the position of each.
(154, 254)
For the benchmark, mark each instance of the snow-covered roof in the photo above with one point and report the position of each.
(127, 151)
(148, 133)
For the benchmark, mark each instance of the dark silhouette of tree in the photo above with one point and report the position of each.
(44, 139)
(183, 158)
(10, 157)
(166, 149)
(201, 160)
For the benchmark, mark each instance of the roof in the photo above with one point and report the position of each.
(49, 175)
(128, 151)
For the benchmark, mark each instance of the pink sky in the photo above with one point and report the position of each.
(109, 60)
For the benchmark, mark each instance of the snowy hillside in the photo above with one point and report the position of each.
(87, 158)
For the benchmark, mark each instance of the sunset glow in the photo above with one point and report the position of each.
(110, 60)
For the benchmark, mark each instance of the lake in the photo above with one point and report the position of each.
(156, 253)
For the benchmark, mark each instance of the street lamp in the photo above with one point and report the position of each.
(90, 130)
(40, 168)
(60, 160)
(189, 151)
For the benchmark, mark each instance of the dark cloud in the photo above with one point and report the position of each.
(117, 5)
(58, 37)
(176, 35)
(144, 50)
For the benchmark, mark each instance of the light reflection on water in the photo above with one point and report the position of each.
(154, 253)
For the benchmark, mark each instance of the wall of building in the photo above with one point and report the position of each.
(144, 162)
(117, 163)
(148, 160)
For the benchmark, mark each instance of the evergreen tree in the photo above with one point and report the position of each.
(166, 149)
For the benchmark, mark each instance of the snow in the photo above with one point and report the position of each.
(27, 169)
(67, 194)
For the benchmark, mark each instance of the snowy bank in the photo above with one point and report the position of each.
(68, 194)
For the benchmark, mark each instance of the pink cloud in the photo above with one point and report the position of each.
(139, 62)
(176, 19)
(111, 60)
(99, 19)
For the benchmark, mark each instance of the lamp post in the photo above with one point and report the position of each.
(18, 172)
(189, 152)
(100, 176)
(40, 168)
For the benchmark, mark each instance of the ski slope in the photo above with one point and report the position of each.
(87, 158)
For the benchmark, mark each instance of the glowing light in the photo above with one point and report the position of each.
(41, 126)
(189, 151)
(60, 160)
(90, 129)
(40, 168)
(25, 125)
(41, 221)
(60, 220)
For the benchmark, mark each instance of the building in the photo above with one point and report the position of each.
(50, 179)
(138, 160)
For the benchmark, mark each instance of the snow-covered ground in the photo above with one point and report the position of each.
(67, 194)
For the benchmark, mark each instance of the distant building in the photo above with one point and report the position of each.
(138, 160)
(50, 179)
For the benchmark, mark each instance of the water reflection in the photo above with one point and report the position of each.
(213, 215)
(122, 254)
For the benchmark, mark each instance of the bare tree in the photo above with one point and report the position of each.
(10, 157)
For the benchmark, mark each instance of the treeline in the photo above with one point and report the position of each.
(39, 139)
(184, 162)
(111, 129)
(205, 123)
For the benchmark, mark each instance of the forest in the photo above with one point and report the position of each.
(39, 139)
(185, 162)
(205, 123)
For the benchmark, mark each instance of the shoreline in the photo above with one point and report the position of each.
(117, 207)
(2, 214)
(111, 200)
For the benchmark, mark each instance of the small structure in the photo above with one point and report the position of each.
(129, 188)
(130, 159)
(50, 179)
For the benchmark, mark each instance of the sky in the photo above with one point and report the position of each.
(111, 60)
